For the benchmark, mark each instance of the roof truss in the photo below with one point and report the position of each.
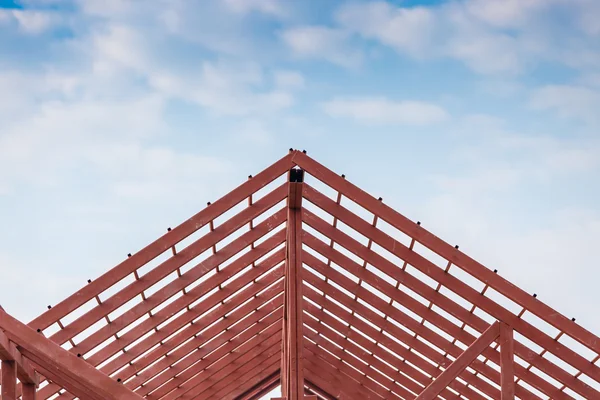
(299, 278)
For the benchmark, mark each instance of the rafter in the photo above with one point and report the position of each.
(320, 287)
(429, 293)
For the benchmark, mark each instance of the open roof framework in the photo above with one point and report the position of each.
(299, 278)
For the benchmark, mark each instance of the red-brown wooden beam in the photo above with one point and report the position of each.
(246, 375)
(484, 274)
(317, 390)
(29, 392)
(234, 352)
(458, 258)
(9, 352)
(339, 375)
(163, 244)
(73, 373)
(396, 314)
(448, 305)
(402, 365)
(507, 362)
(196, 311)
(292, 371)
(461, 363)
(9, 380)
(263, 387)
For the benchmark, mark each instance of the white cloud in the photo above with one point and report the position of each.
(272, 7)
(224, 89)
(406, 29)
(316, 42)
(489, 36)
(568, 101)
(30, 22)
(289, 79)
(506, 13)
(383, 111)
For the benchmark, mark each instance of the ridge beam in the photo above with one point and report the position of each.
(461, 363)
(292, 370)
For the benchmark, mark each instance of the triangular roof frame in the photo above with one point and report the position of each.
(298, 277)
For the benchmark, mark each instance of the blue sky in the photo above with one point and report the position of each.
(478, 117)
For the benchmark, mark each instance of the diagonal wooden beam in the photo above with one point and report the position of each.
(292, 371)
(243, 372)
(339, 375)
(404, 365)
(69, 371)
(140, 364)
(470, 354)
(9, 352)
(455, 285)
(263, 387)
(458, 258)
(163, 244)
(228, 355)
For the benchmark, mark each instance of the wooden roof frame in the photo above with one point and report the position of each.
(299, 278)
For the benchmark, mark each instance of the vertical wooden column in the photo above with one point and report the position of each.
(292, 374)
(507, 362)
(9, 380)
(29, 392)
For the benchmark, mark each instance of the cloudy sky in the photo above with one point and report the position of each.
(119, 118)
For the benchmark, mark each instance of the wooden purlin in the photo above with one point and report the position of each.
(157, 298)
(552, 317)
(163, 244)
(418, 359)
(415, 307)
(463, 290)
(262, 387)
(216, 330)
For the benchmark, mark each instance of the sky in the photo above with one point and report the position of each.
(479, 118)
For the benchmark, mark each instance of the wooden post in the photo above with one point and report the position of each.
(507, 362)
(29, 392)
(292, 377)
(9, 380)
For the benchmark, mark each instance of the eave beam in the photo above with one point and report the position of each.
(71, 372)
